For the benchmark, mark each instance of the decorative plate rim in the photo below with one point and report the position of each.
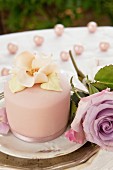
(11, 145)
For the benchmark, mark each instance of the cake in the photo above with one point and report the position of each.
(37, 114)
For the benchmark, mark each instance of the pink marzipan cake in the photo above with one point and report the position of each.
(36, 114)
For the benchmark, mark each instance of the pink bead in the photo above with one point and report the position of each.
(38, 40)
(12, 48)
(4, 72)
(78, 49)
(59, 29)
(104, 46)
(92, 26)
(64, 56)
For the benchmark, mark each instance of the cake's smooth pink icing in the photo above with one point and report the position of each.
(37, 113)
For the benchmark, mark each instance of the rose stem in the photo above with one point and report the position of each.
(81, 76)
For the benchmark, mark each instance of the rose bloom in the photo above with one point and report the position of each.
(94, 120)
(4, 126)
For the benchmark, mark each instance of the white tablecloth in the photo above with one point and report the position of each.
(87, 62)
(103, 160)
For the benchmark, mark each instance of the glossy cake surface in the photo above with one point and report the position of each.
(35, 114)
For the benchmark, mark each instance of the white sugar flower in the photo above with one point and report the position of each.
(30, 70)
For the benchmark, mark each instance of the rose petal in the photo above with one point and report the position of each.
(74, 136)
(93, 112)
(106, 127)
(70, 134)
(80, 113)
(94, 134)
(108, 102)
(103, 136)
(3, 115)
(80, 137)
(104, 96)
(88, 124)
(24, 60)
(4, 128)
(90, 128)
(25, 79)
(107, 110)
(98, 97)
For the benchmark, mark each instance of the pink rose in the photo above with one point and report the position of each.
(94, 120)
(71, 135)
(4, 126)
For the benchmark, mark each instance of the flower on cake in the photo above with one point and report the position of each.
(29, 70)
(4, 127)
(92, 111)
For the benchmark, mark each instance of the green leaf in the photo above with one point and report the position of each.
(73, 109)
(105, 75)
(79, 92)
(83, 93)
(100, 86)
(104, 78)
(92, 89)
(71, 82)
(75, 98)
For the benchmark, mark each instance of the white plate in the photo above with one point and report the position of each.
(11, 145)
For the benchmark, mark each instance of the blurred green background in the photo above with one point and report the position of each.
(23, 15)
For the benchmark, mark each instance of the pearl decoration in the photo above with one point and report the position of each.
(78, 49)
(38, 40)
(12, 48)
(59, 29)
(92, 26)
(64, 56)
(104, 46)
(4, 72)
